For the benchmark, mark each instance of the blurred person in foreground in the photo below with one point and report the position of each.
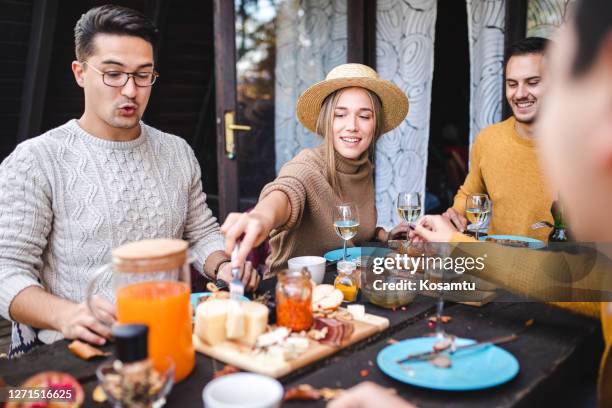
(575, 144)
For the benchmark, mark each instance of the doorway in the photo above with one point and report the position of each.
(450, 104)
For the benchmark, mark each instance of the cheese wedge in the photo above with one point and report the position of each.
(234, 325)
(357, 311)
(275, 336)
(321, 291)
(326, 297)
(255, 321)
(218, 320)
(211, 321)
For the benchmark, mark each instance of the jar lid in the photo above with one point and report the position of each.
(301, 273)
(346, 266)
(150, 255)
(131, 342)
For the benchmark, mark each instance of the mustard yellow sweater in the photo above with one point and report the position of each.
(525, 271)
(505, 166)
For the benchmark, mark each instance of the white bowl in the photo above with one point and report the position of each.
(243, 390)
(314, 264)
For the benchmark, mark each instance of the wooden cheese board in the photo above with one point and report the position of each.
(242, 357)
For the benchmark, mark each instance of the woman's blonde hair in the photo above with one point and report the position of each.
(325, 128)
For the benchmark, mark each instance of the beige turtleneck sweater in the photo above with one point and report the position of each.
(310, 230)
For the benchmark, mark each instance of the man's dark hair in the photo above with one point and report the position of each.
(593, 23)
(110, 19)
(529, 45)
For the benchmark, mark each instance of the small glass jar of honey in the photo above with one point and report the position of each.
(347, 280)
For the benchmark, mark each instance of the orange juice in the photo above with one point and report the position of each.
(165, 308)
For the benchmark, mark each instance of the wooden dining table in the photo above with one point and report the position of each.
(558, 357)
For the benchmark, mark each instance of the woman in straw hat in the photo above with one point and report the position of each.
(350, 109)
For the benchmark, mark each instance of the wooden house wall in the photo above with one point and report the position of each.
(15, 25)
(182, 100)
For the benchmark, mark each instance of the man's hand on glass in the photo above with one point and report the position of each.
(92, 325)
(458, 220)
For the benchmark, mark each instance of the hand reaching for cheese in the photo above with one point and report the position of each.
(248, 275)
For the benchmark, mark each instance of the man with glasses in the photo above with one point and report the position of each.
(76, 192)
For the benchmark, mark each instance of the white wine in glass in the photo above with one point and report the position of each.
(409, 213)
(477, 210)
(346, 229)
(477, 215)
(346, 223)
(409, 206)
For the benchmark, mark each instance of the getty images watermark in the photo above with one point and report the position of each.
(436, 268)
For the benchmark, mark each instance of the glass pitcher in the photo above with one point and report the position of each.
(150, 283)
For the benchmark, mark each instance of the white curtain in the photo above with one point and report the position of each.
(544, 16)
(311, 40)
(405, 33)
(486, 24)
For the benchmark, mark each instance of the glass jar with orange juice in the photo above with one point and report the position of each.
(347, 280)
(151, 283)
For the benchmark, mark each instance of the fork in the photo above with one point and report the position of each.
(429, 354)
(236, 287)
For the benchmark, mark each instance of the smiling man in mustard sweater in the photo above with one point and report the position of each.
(504, 163)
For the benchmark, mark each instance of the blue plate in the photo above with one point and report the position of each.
(475, 369)
(533, 243)
(356, 252)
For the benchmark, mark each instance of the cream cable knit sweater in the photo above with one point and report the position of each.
(67, 198)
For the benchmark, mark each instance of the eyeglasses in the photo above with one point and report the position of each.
(118, 79)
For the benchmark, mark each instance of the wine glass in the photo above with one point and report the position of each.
(409, 207)
(346, 223)
(477, 210)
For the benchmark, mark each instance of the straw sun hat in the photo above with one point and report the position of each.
(394, 100)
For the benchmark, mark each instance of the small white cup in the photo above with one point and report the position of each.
(243, 390)
(314, 264)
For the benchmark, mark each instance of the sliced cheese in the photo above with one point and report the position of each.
(218, 320)
(274, 337)
(234, 325)
(326, 297)
(255, 321)
(211, 318)
(321, 291)
(298, 344)
(357, 311)
(277, 352)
